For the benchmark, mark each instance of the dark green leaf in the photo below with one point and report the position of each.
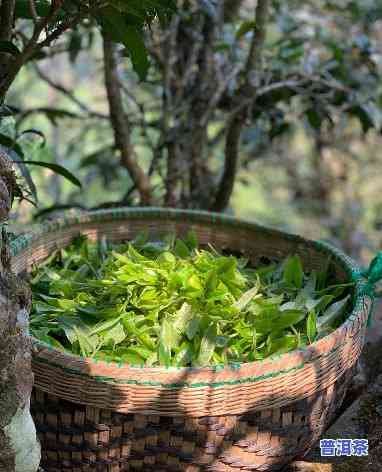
(130, 35)
(58, 170)
(293, 273)
(37, 133)
(9, 47)
(333, 313)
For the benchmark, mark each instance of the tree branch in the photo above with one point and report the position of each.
(70, 95)
(231, 9)
(254, 59)
(7, 12)
(32, 8)
(61, 28)
(121, 125)
(253, 70)
(32, 45)
(227, 181)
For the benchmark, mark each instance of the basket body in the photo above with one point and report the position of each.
(256, 416)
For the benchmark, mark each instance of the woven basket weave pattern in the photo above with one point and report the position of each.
(80, 438)
(256, 416)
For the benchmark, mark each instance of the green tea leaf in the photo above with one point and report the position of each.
(211, 282)
(185, 355)
(170, 303)
(279, 345)
(293, 273)
(169, 335)
(311, 326)
(183, 317)
(114, 335)
(246, 298)
(273, 320)
(194, 284)
(164, 354)
(207, 346)
(191, 240)
(181, 250)
(333, 313)
(193, 328)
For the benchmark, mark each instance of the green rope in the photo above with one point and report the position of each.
(373, 275)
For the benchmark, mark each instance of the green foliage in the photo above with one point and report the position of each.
(122, 20)
(172, 303)
(60, 170)
(12, 142)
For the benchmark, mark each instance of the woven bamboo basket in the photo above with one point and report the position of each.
(259, 416)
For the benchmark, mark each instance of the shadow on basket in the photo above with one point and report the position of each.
(188, 428)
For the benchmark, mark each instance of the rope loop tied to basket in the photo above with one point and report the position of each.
(373, 275)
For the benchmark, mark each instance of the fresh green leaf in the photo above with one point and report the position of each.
(293, 273)
(207, 346)
(181, 250)
(333, 313)
(246, 298)
(311, 326)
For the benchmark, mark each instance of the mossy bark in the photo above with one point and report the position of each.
(19, 447)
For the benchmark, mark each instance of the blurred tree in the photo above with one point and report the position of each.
(19, 44)
(215, 86)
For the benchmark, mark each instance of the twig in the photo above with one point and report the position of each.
(32, 8)
(253, 64)
(70, 95)
(61, 28)
(218, 95)
(27, 52)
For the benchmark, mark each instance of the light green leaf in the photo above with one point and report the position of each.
(246, 298)
(207, 346)
(311, 326)
(170, 337)
(183, 317)
(164, 354)
(333, 313)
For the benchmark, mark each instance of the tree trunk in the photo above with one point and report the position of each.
(121, 125)
(19, 447)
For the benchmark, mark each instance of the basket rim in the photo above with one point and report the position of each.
(22, 242)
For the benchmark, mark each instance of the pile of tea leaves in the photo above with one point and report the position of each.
(172, 303)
